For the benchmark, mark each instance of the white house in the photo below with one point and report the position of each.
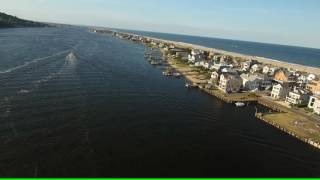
(207, 65)
(215, 75)
(256, 68)
(218, 66)
(216, 57)
(297, 96)
(279, 91)
(214, 78)
(314, 103)
(226, 59)
(273, 70)
(302, 79)
(195, 57)
(266, 69)
(197, 64)
(246, 65)
(311, 77)
(230, 83)
(252, 82)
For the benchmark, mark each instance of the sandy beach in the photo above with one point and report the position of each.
(267, 61)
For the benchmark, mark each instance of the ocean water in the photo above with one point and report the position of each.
(108, 113)
(292, 54)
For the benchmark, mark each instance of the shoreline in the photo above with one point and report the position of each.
(264, 60)
(303, 127)
(300, 133)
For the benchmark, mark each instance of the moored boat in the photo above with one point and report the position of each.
(177, 75)
(240, 104)
(190, 85)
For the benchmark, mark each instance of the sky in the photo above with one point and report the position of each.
(288, 22)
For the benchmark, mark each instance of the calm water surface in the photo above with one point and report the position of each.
(108, 113)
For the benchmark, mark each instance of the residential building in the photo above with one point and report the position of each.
(218, 66)
(215, 75)
(280, 91)
(230, 83)
(196, 55)
(255, 81)
(226, 59)
(183, 55)
(283, 76)
(314, 104)
(246, 65)
(273, 70)
(314, 87)
(266, 69)
(256, 68)
(297, 97)
(250, 82)
(311, 77)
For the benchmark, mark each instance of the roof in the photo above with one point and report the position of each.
(229, 75)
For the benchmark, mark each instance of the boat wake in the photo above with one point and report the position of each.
(67, 71)
(32, 62)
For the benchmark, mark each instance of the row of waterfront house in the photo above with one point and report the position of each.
(235, 75)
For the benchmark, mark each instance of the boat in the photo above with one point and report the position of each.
(153, 62)
(240, 104)
(177, 74)
(71, 56)
(167, 73)
(189, 85)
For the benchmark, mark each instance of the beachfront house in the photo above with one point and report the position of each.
(273, 70)
(229, 70)
(311, 77)
(230, 83)
(283, 76)
(297, 97)
(183, 55)
(246, 65)
(226, 59)
(195, 56)
(250, 82)
(256, 68)
(215, 75)
(207, 65)
(314, 104)
(256, 82)
(218, 66)
(302, 79)
(280, 91)
(266, 82)
(266, 69)
(154, 43)
(214, 78)
(161, 45)
(314, 87)
(216, 58)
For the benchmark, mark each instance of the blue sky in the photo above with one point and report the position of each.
(291, 22)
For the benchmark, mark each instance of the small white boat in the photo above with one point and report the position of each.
(167, 73)
(176, 74)
(71, 56)
(189, 85)
(240, 104)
